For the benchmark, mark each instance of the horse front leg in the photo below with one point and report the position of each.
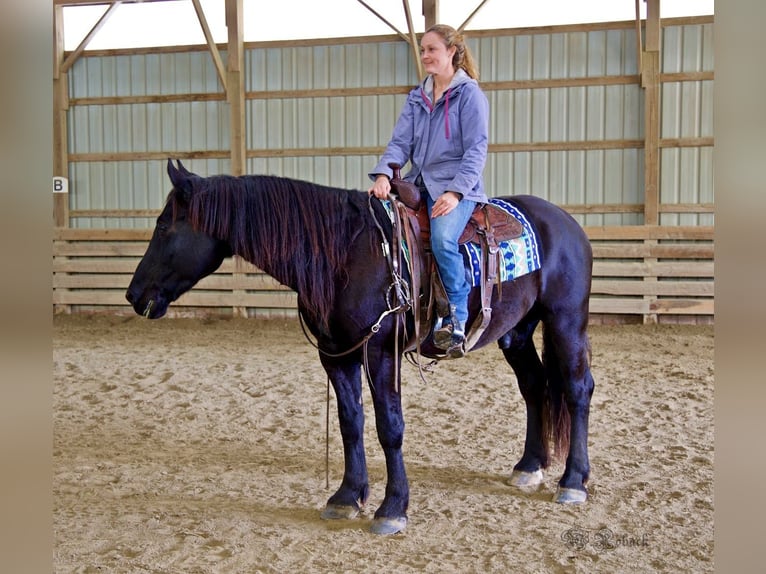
(391, 516)
(354, 489)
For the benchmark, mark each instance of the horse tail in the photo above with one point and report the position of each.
(556, 420)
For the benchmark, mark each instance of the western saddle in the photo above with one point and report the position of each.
(489, 225)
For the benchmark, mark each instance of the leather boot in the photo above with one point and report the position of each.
(450, 334)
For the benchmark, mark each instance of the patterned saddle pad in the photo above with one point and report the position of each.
(519, 256)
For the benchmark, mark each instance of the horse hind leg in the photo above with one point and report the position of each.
(566, 357)
(520, 353)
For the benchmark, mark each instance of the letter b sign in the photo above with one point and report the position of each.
(60, 185)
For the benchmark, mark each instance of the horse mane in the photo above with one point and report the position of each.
(296, 231)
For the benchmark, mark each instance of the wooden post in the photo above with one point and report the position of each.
(235, 86)
(413, 41)
(650, 81)
(235, 94)
(431, 12)
(60, 106)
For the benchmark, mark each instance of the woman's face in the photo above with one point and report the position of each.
(436, 58)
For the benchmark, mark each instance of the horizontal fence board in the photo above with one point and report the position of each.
(216, 281)
(658, 269)
(107, 265)
(682, 307)
(637, 270)
(625, 232)
(643, 250)
(99, 248)
(647, 288)
(619, 306)
(621, 232)
(193, 298)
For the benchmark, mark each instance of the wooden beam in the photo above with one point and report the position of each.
(72, 58)
(470, 17)
(650, 82)
(386, 22)
(210, 43)
(431, 12)
(639, 41)
(624, 232)
(60, 105)
(413, 41)
(594, 233)
(653, 26)
(98, 2)
(236, 86)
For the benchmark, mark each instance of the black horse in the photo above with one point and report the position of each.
(325, 244)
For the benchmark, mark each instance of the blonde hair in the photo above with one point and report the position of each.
(462, 58)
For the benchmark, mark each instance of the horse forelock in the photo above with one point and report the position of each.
(296, 231)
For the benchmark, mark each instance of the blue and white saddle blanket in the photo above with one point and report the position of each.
(518, 256)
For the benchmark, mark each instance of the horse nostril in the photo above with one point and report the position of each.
(129, 297)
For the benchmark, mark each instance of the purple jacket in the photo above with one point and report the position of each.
(445, 143)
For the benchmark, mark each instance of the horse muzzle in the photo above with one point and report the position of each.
(152, 308)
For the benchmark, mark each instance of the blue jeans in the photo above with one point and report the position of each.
(445, 231)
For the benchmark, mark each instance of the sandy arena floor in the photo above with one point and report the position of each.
(198, 446)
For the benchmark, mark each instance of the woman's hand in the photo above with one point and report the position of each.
(381, 187)
(447, 202)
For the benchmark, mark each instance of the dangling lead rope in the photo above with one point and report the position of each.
(327, 439)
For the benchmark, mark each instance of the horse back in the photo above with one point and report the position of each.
(566, 253)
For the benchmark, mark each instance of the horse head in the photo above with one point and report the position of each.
(178, 255)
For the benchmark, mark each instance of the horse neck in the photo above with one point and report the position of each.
(296, 232)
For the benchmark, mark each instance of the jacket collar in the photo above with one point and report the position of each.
(427, 91)
(460, 77)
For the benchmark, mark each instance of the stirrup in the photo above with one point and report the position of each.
(443, 335)
(457, 349)
(449, 339)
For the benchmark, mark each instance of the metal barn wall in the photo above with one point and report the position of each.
(107, 130)
(125, 105)
(565, 114)
(687, 112)
(567, 124)
(324, 124)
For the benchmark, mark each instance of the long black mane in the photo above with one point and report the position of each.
(296, 231)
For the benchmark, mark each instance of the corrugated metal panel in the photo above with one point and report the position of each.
(687, 112)
(566, 114)
(324, 122)
(139, 127)
(529, 115)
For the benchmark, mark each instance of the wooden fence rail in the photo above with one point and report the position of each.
(640, 273)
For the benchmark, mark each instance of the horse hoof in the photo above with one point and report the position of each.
(388, 525)
(570, 496)
(524, 479)
(339, 512)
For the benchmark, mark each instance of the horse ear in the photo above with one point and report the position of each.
(179, 177)
(183, 169)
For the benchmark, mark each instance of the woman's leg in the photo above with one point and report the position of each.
(445, 231)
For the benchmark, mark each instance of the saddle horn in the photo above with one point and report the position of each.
(408, 193)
